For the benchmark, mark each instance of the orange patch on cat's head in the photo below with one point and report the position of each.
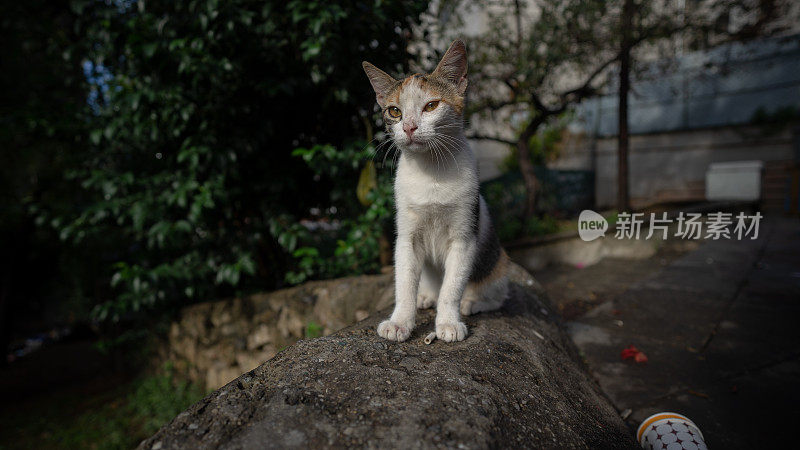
(448, 82)
(434, 85)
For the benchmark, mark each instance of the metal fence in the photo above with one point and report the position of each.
(563, 193)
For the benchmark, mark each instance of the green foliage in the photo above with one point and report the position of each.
(775, 121)
(503, 200)
(188, 183)
(42, 105)
(512, 228)
(313, 330)
(157, 399)
(780, 115)
(505, 195)
(543, 146)
(509, 228)
(541, 226)
(612, 217)
(117, 419)
(353, 248)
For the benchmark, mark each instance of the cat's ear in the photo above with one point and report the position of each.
(381, 82)
(453, 66)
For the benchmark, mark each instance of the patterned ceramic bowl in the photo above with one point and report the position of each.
(670, 431)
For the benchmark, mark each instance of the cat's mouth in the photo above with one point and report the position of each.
(416, 145)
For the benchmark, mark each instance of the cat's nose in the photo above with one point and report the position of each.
(409, 128)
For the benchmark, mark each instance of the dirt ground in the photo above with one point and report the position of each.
(574, 291)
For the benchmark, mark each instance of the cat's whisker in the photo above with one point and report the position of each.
(396, 157)
(455, 142)
(449, 152)
(383, 146)
(375, 148)
(447, 142)
(434, 149)
(391, 147)
(436, 154)
(439, 151)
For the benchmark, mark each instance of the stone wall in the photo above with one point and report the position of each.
(215, 342)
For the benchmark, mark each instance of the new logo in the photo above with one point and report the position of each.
(591, 225)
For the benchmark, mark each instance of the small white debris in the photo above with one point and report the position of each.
(430, 338)
(538, 335)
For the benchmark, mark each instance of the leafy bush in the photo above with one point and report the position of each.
(541, 226)
(357, 240)
(505, 196)
(189, 184)
(544, 145)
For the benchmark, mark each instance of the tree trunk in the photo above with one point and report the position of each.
(623, 202)
(523, 150)
(528, 175)
(515, 381)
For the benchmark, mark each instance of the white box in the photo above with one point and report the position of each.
(737, 180)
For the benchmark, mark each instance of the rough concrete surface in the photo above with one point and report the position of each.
(516, 381)
(719, 326)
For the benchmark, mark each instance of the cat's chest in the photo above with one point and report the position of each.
(432, 213)
(425, 192)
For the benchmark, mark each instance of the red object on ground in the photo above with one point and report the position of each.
(634, 353)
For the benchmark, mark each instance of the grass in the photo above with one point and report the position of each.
(313, 330)
(116, 418)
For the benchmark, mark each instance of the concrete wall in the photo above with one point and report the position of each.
(490, 155)
(723, 86)
(671, 166)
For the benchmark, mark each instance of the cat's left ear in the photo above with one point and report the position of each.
(453, 66)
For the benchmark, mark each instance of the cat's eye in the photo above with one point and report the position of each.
(394, 111)
(431, 106)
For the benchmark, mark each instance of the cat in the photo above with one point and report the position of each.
(446, 253)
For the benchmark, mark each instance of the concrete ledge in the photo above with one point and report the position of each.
(516, 381)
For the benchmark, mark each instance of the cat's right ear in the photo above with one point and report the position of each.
(381, 82)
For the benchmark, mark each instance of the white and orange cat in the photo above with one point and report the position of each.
(447, 253)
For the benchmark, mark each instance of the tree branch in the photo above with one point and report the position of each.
(586, 89)
(537, 103)
(484, 137)
(491, 105)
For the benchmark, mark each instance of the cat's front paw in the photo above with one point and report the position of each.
(451, 332)
(394, 331)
